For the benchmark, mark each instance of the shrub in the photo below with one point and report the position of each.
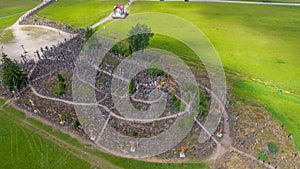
(131, 86)
(273, 148)
(262, 156)
(61, 85)
(76, 123)
(133, 133)
(155, 72)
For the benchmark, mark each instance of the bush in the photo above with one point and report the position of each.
(131, 86)
(122, 48)
(76, 123)
(155, 72)
(61, 85)
(133, 133)
(262, 156)
(175, 103)
(273, 148)
(203, 104)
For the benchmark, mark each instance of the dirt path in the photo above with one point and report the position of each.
(222, 147)
(29, 38)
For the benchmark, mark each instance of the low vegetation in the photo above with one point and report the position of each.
(26, 147)
(79, 13)
(61, 85)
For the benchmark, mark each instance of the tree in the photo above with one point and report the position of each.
(139, 36)
(12, 74)
(89, 32)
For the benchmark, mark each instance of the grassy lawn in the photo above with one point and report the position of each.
(79, 13)
(11, 10)
(282, 1)
(22, 146)
(283, 107)
(6, 36)
(252, 39)
(256, 42)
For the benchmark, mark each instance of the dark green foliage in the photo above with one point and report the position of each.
(64, 116)
(122, 48)
(76, 123)
(89, 32)
(131, 86)
(60, 78)
(173, 97)
(203, 104)
(155, 72)
(139, 36)
(262, 156)
(133, 133)
(13, 75)
(175, 103)
(273, 148)
(61, 85)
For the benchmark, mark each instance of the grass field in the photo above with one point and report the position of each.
(282, 1)
(283, 107)
(79, 13)
(10, 11)
(255, 42)
(258, 42)
(23, 146)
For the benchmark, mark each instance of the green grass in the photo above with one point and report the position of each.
(282, 1)
(252, 39)
(262, 156)
(11, 10)
(6, 36)
(284, 107)
(257, 42)
(23, 147)
(79, 13)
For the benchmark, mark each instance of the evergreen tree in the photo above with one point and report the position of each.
(139, 37)
(12, 74)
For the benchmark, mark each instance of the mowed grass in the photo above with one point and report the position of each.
(259, 41)
(255, 42)
(22, 146)
(284, 107)
(79, 13)
(281, 1)
(11, 10)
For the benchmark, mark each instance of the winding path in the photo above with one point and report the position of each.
(226, 141)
